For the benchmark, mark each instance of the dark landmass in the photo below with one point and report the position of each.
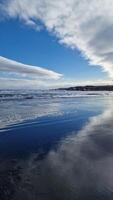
(89, 88)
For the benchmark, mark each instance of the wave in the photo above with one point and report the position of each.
(27, 95)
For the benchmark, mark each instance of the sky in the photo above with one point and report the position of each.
(49, 44)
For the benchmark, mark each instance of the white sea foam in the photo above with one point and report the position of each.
(20, 95)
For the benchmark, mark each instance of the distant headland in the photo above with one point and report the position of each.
(89, 88)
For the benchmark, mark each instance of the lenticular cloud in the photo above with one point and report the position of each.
(83, 24)
(11, 66)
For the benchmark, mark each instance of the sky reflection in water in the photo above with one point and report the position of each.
(71, 157)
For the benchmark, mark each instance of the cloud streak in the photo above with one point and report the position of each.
(11, 66)
(86, 25)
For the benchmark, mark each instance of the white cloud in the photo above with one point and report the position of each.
(27, 71)
(86, 25)
(40, 83)
(19, 83)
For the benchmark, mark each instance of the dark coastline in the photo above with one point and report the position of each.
(89, 88)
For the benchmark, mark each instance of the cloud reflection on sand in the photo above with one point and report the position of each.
(80, 168)
(83, 163)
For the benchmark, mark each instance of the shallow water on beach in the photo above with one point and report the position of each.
(56, 146)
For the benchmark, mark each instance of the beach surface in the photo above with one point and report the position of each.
(56, 145)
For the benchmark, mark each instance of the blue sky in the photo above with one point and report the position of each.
(39, 43)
